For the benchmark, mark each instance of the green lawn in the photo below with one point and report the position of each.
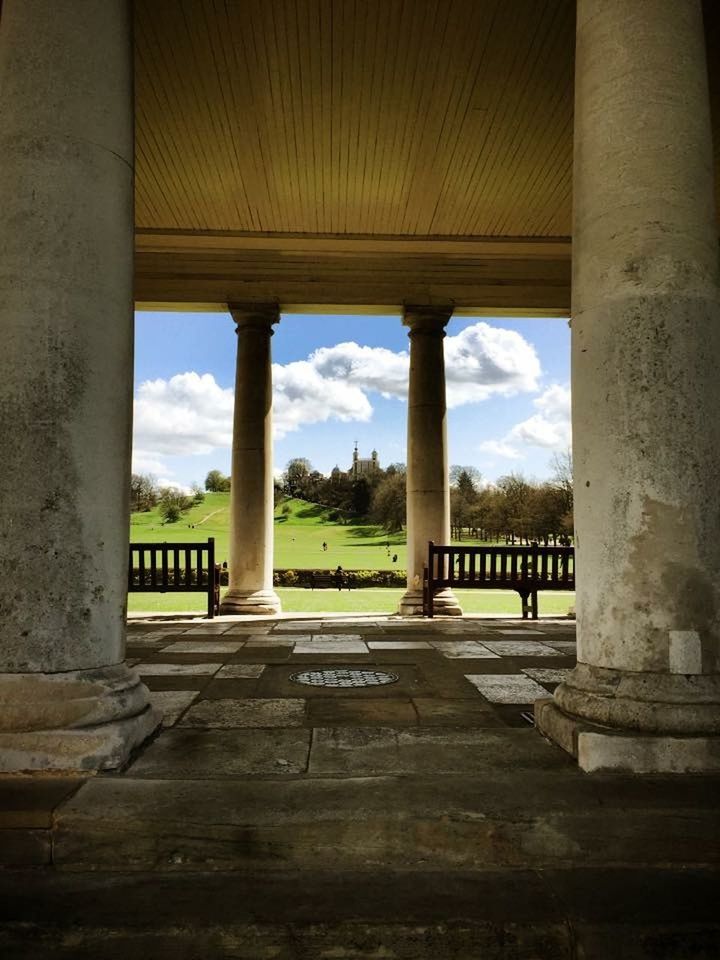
(372, 600)
(299, 536)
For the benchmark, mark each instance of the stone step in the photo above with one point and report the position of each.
(573, 914)
(529, 820)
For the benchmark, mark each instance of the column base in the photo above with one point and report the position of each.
(603, 749)
(445, 604)
(264, 603)
(78, 721)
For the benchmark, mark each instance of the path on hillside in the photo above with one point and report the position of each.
(201, 522)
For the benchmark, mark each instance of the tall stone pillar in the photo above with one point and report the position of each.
(251, 492)
(67, 699)
(645, 695)
(428, 487)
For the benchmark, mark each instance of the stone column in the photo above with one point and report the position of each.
(251, 492)
(428, 487)
(68, 701)
(645, 695)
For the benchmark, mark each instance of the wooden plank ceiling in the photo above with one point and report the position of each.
(355, 151)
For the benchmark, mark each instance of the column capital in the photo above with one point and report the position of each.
(255, 315)
(425, 319)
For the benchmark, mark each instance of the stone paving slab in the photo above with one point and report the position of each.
(359, 751)
(474, 820)
(240, 671)
(172, 703)
(399, 645)
(548, 675)
(177, 669)
(333, 711)
(189, 753)
(209, 646)
(246, 713)
(326, 647)
(466, 649)
(521, 648)
(507, 688)
(441, 711)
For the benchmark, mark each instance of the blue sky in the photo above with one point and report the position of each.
(508, 390)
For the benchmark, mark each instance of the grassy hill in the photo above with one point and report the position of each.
(299, 535)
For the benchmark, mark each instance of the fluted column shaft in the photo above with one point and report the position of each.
(428, 486)
(251, 492)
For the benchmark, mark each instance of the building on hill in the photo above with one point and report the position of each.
(362, 467)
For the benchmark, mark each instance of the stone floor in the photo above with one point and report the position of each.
(421, 818)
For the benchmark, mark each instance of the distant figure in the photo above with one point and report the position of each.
(339, 577)
(394, 558)
(324, 546)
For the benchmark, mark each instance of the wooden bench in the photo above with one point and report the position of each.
(176, 568)
(523, 569)
(328, 581)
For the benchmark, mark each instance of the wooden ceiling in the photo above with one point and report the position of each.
(331, 151)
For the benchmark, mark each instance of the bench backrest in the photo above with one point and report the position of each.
(175, 568)
(537, 567)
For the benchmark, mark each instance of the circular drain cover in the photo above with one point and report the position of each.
(344, 678)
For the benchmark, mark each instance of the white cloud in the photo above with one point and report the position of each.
(143, 462)
(500, 448)
(369, 368)
(302, 395)
(174, 485)
(190, 413)
(483, 360)
(550, 428)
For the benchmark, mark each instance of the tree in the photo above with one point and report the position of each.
(562, 477)
(198, 494)
(173, 503)
(217, 482)
(143, 492)
(295, 477)
(389, 506)
(361, 496)
(171, 512)
(456, 471)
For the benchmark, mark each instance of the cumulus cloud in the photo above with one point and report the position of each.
(483, 360)
(549, 428)
(303, 395)
(190, 413)
(500, 448)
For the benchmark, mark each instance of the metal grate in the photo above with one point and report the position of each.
(344, 678)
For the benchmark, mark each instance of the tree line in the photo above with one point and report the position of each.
(513, 509)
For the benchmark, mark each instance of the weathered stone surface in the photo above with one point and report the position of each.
(474, 821)
(521, 648)
(246, 713)
(171, 704)
(439, 711)
(205, 647)
(240, 671)
(329, 711)
(177, 669)
(463, 649)
(196, 753)
(374, 751)
(507, 688)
